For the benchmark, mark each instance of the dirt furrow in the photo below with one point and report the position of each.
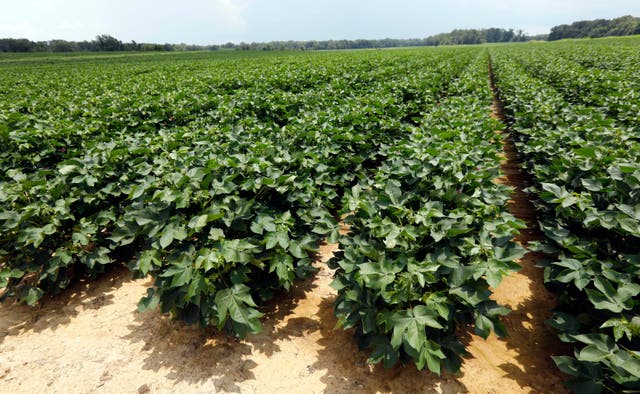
(530, 341)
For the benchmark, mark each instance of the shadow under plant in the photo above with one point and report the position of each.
(299, 350)
(59, 310)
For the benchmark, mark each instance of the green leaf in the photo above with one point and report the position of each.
(586, 387)
(167, 236)
(147, 260)
(181, 278)
(601, 301)
(483, 326)
(11, 273)
(67, 169)
(568, 365)
(216, 234)
(508, 253)
(333, 236)
(409, 332)
(585, 152)
(32, 235)
(236, 303)
(383, 351)
(564, 322)
(283, 239)
(554, 189)
(592, 353)
(296, 250)
(621, 326)
(426, 316)
(149, 302)
(198, 222)
(33, 295)
(378, 275)
(282, 265)
(271, 240)
(592, 184)
(433, 355)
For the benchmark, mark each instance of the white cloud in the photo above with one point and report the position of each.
(231, 13)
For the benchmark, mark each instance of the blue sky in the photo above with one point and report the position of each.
(219, 21)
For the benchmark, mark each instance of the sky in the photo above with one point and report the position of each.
(218, 21)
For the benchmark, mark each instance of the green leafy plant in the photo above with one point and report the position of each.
(428, 237)
(577, 139)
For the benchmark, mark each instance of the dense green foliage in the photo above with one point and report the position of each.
(102, 43)
(623, 26)
(577, 129)
(429, 234)
(219, 176)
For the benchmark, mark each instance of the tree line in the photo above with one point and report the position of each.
(108, 43)
(623, 26)
(102, 43)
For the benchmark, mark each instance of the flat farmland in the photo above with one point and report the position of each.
(451, 219)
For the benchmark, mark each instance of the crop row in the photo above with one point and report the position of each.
(615, 92)
(428, 236)
(587, 180)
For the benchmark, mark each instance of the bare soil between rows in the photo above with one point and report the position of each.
(91, 339)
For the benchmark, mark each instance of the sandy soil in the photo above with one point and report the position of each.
(91, 339)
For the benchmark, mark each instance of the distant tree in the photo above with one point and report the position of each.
(89, 46)
(146, 47)
(625, 25)
(62, 46)
(108, 43)
(494, 35)
(16, 45)
(520, 36)
(131, 46)
(40, 46)
(180, 47)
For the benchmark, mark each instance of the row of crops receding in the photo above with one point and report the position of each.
(219, 174)
(219, 180)
(576, 126)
